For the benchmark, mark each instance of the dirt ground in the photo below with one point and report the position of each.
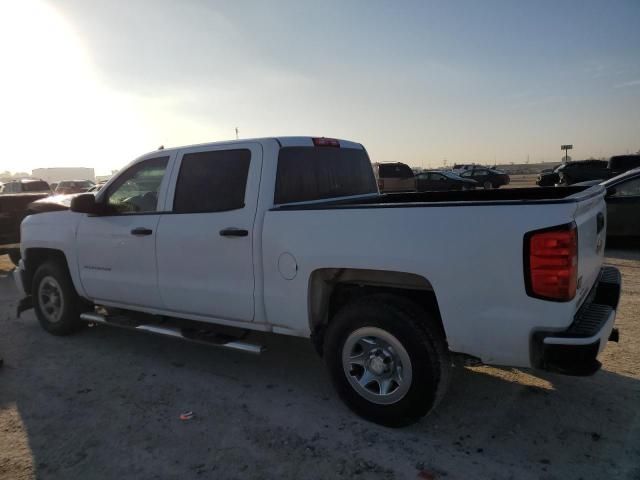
(105, 403)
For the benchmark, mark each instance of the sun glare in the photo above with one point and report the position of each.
(55, 111)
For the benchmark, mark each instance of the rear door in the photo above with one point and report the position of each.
(205, 255)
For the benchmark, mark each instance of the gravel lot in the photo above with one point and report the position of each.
(105, 404)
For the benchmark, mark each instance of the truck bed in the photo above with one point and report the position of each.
(506, 196)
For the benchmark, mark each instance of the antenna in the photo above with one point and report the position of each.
(237, 135)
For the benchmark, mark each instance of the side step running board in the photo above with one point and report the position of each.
(176, 333)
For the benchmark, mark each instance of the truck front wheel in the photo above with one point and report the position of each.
(388, 359)
(56, 302)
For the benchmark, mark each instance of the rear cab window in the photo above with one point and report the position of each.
(318, 173)
(394, 170)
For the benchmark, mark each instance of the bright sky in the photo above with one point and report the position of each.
(94, 83)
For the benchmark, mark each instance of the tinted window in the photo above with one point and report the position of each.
(212, 181)
(394, 170)
(437, 176)
(314, 173)
(136, 190)
(480, 173)
(624, 162)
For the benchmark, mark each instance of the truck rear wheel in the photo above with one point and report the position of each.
(388, 359)
(56, 302)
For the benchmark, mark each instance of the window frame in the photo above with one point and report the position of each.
(253, 187)
(185, 154)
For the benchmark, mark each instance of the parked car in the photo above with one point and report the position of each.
(623, 204)
(435, 180)
(550, 177)
(73, 186)
(14, 207)
(583, 170)
(96, 188)
(290, 235)
(457, 169)
(394, 177)
(619, 164)
(25, 185)
(487, 177)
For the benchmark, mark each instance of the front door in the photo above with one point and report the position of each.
(205, 245)
(116, 250)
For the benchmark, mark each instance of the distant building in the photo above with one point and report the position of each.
(57, 174)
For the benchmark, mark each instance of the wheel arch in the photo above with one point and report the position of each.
(332, 288)
(34, 257)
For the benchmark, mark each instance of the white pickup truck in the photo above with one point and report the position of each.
(290, 235)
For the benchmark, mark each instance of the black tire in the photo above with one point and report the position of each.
(53, 275)
(420, 336)
(14, 256)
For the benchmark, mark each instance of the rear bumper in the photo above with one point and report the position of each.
(575, 350)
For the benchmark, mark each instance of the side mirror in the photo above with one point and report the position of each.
(84, 203)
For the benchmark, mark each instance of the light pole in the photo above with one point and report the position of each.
(566, 149)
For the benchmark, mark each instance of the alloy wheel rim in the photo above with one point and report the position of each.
(50, 299)
(377, 365)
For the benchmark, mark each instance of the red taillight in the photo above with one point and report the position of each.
(551, 259)
(325, 142)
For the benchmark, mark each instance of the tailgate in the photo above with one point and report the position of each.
(590, 218)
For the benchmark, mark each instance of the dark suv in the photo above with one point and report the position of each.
(25, 185)
(581, 171)
(622, 163)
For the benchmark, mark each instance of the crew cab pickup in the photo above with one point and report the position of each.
(291, 236)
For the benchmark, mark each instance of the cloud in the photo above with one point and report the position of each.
(632, 83)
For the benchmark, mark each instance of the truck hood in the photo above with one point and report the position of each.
(53, 203)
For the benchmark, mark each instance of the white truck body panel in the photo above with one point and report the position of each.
(199, 271)
(471, 255)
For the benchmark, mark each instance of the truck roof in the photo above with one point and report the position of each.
(286, 141)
